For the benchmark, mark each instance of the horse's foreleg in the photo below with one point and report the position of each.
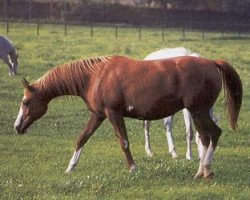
(168, 123)
(93, 123)
(117, 120)
(147, 138)
(189, 133)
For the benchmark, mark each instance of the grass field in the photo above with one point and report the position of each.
(32, 166)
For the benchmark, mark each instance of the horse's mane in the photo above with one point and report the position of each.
(69, 78)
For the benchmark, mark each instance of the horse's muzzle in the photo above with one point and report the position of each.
(20, 129)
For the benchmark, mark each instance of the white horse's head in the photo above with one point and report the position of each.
(14, 62)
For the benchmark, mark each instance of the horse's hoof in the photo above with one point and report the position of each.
(198, 175)
(149, 152)
(151, 155)
(174, 154)
(189, 157)
(70, 169)
(209, 176)
(132, 168)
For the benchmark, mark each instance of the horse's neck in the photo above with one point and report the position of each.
(70, 79)
(55, 85)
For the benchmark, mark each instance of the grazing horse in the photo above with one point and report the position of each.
(168, 121)
(115, 87)
(9, 54)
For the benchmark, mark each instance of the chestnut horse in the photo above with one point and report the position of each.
(115, 87)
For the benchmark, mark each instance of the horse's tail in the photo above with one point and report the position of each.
(233, 90)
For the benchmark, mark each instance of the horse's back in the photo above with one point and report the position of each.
(159, 88)
(5, 46)
(168, 53)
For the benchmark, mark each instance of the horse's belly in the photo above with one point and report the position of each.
(153, 111)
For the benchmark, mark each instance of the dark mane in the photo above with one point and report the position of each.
(68, 78)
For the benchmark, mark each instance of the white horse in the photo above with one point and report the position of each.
(168, 121)
(9, 54)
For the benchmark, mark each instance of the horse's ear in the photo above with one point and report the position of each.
(27, 85)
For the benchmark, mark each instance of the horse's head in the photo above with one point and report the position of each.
(14, 59)
(32, 108)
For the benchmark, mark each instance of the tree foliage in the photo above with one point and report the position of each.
(240, 6)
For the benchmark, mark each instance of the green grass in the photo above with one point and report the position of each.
(32, 166)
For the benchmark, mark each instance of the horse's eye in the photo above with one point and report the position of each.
(26, 103)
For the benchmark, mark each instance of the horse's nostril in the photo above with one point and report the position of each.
(17, 128)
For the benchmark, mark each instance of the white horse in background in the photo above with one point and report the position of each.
(9, 54)
(168, 121)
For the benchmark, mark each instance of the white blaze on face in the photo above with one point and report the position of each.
(20, 114)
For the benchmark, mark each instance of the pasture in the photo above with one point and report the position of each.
(32, 166)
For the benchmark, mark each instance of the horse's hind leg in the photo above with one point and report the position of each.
(93, 123)
(197, 137)
(168, 123)
(189, 133)
(209, 134)
(117, 120)
(148, 149)
(199, 144)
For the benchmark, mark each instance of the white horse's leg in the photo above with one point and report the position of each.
(168, 123)
(147, 138)
(189, 132)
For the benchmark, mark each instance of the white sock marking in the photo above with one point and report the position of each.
(200, 172)
(199, 144)
(74, 160)
(133, 168)
(209, 155)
